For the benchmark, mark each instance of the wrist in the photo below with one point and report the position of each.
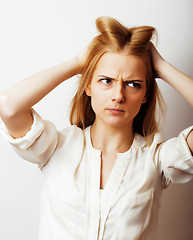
(161, 68)
(75, 63)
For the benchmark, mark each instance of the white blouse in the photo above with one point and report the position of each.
(72, 204)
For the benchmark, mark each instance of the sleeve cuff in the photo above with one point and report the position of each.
(179, 167)
(30, 137)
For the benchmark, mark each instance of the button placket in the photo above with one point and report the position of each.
(112, 187)
(93, 204)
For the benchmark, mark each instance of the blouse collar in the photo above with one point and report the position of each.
(138, 141)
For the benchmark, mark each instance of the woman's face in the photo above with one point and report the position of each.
(117, 89)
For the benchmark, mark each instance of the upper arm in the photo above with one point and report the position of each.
(175, 158)
(38, 144)
(17, 124)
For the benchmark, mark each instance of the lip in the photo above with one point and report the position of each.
(115, 110)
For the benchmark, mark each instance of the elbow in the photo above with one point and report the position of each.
(6, 111)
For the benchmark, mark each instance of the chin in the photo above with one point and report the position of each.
(114, 122)
(117, 124)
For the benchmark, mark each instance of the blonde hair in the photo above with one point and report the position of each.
(116, 38)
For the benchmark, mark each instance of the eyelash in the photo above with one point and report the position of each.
(135, 85)
(109, 81)
(106, 81)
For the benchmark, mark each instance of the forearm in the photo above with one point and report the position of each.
(181, 82)
(17, 101)
(28, 92)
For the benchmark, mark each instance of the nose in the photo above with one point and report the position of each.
(118, 94)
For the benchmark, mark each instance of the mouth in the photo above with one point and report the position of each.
(115, 111)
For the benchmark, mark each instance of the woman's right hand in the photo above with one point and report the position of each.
(157, 60)
(81, 58)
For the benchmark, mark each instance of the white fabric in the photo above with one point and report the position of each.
(72, 205)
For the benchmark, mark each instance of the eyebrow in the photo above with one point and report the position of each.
(137, 80)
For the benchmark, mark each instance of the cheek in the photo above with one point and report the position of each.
(135, 102)
(95, 100)
(99, 99)
(136, 98)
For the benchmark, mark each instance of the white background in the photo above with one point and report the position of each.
(38, 34)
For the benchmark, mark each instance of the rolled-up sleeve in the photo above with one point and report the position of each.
(176, 160)
(39, 143)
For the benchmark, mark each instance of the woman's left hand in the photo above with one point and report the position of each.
(157, 60)
(180, 81)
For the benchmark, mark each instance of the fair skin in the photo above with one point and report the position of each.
(116, 101)
(117, 90)
(178, 80)
(16, 111)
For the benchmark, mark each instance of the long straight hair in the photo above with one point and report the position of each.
(116, 38)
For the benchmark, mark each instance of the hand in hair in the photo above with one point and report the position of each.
(81, 57)
(157, 60)
(178, 80)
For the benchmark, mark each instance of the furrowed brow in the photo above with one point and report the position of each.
(105, 76)
(134, 80)
(126, 80)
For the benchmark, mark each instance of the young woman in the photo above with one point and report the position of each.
(102, 176)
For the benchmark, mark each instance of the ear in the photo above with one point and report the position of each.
(88, 90)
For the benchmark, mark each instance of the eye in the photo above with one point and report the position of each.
(106, 81)
(133, 84)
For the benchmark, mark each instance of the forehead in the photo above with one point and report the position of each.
(120, 65)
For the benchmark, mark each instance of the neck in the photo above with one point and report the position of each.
(111, 139)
